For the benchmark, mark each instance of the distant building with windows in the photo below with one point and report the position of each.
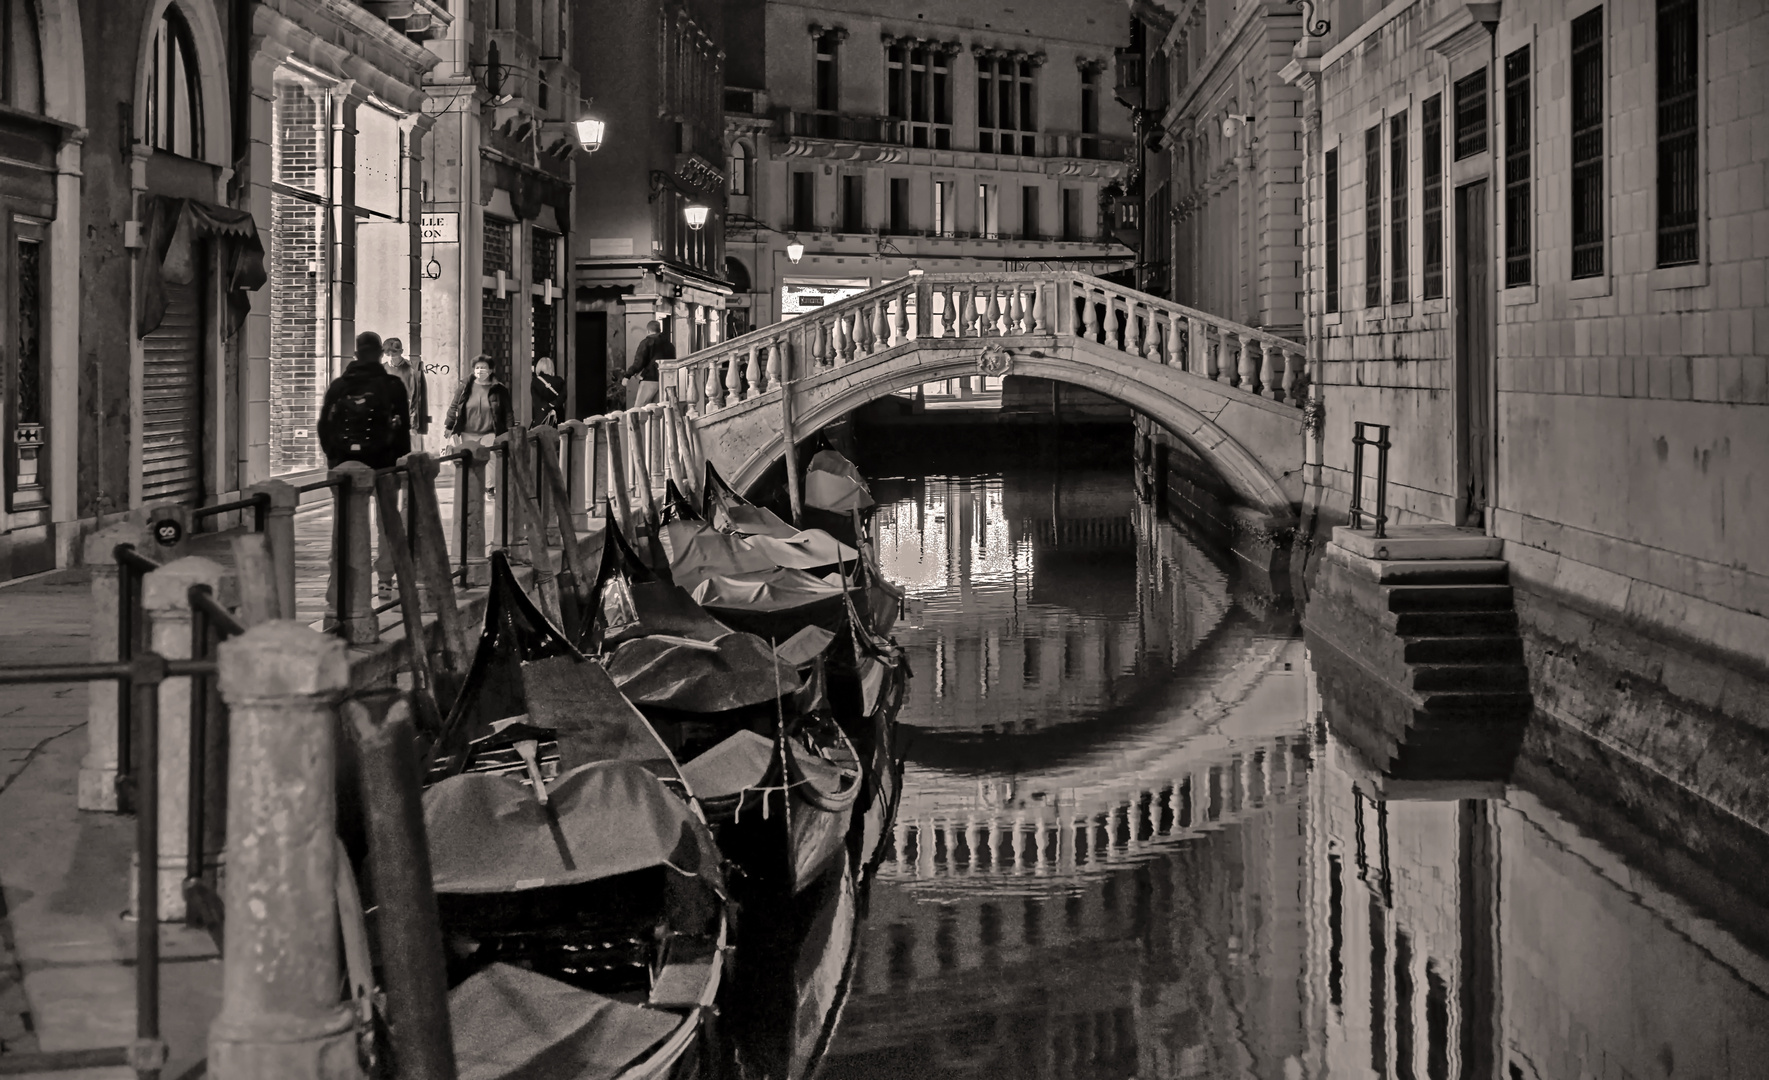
(654, 71)
(203, 202)
(890, 139)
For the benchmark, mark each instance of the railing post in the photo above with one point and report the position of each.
(967, 315)
(97, 788)
(1089, 316)
(470, 516)
(618, 490)
(545, 440)
(1040, 310)
(165, 596)
(1356, 511)
(353, 561)
(579, 459)
(431, 556)
(1270, 374)
(1381, 482)
(1249, 363)
(279, 530)
(733, 380)
(1133, 328)
(280, 1009)
(639, 472)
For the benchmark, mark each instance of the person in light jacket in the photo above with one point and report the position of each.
(480, 411)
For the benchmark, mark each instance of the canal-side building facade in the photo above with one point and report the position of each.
(1534, 252)
(887, 138)
(504, 98)
(654, 73)
(183, 272)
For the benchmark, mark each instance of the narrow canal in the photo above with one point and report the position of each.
(1129, 846)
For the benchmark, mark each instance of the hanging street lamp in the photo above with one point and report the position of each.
(696, 215)
(795, 248)
(589, 133)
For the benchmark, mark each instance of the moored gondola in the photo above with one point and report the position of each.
(581, 892)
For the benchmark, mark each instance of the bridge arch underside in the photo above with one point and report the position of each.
(1254, 445)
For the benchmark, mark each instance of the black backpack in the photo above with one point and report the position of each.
(366, 424)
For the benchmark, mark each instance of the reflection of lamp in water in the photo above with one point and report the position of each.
(795, 248)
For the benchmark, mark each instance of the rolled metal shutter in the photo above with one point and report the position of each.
(172, 401)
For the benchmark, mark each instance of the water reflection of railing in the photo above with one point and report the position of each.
(1041, 842)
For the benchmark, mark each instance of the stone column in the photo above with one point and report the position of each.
(279, 530)
(353, 564)
(166, 600)
(280, 1013)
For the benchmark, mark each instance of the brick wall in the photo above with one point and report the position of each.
(298, 367)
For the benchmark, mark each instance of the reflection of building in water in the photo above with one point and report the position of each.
(1037, 600)
(1470, 930)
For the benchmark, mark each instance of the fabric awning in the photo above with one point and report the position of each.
(174, 229)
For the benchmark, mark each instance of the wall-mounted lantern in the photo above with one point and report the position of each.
(1232, 123)
(589, 133)
(795, 248)
(696, 215)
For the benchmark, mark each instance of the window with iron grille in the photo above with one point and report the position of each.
(543, 252)
(1373, 216)
(1431, 192)
(1471, 115)
(1517, 149)
(1679, 207)
(1397, 209)
(1332, 193)
(499, 247)
(1587, 144)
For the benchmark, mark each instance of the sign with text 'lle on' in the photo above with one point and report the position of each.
(442, 228)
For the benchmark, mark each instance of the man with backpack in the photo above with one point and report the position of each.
(366, 417)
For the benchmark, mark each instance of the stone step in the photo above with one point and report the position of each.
(1441, 571)
(1475, 705)
(1410, 624)
(1448, 597)
(1405, 542)
(1465, 649)
(1474, 677)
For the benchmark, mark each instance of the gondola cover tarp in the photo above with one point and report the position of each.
(513, 1023)
(488, 834)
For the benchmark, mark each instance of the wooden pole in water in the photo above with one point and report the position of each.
(789, 446)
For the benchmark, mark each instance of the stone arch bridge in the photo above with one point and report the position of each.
(1230, 392)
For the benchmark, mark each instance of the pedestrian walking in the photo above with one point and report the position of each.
(547, 393)
(480, 411)
(366, 417)
(417, 395)
(642, 372)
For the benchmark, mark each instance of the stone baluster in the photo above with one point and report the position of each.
(280, 1009)
(1038, 310)
(1204, 348)
(733, 380)
(1133, 329)
(1271, 376)
(752, 372)
(862, 334)
(1152, 345)
(937, 318)
(822, 350)
(775, 371)
(1249, 363)
(1114, 331)
(954, 313)
(967, 317)
(1292, 373)
(839, 342)
(900, 320)
(992, 314)
(1016, 311)
(881, 333)
(715, 389)
(1089, 317)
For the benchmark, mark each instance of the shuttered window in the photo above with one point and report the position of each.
(171, 400)
(1332, 194)
(1587, 144)
(1431, 192)
(1679, 206)
(1398, 292)
(1373, 216)
(1517, 168)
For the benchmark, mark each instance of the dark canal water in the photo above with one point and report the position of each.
(1129, 846)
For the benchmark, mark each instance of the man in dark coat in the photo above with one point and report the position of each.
(643, 369)
(366, 417)
(416, 392)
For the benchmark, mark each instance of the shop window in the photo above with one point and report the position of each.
(21, 82)
(23, 390)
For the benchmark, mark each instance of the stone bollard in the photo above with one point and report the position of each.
(98, 770)
(470, 500)
(281, 1013)
(166, 600)
(279, 530)
(352, 590)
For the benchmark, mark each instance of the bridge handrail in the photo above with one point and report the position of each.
(990, 304)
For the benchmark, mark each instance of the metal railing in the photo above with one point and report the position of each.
(1380, 442)
(139, 678)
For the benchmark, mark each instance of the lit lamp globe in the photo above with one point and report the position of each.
(795, 250)
(696, 215)
(589, 133)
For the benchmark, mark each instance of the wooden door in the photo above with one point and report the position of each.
(590, 364)
(1474, 355)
